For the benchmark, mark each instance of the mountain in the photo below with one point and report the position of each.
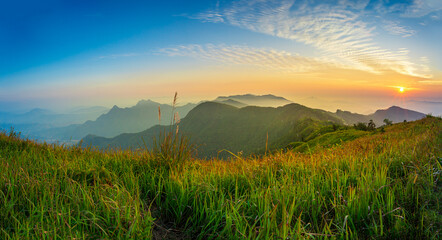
(394, 113)
(120, 120)
(256, 100)
(433, 107)
(233, 103)
(215, 126)
(352, 118)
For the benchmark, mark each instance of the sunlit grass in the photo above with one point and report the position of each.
(383, 185)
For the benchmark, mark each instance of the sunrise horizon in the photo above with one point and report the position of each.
(349, 55)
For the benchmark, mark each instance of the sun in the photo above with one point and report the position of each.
(401, 89)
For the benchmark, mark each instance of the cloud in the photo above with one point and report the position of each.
(394, 28)
(435, 17)
(431, 82)
(267, 58)
(337, 30)
(209, 16)
(421, 8)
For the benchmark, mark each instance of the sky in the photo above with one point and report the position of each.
(351, 55)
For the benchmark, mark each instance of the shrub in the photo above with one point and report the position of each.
(371, 125)
(388, 122)
(360, 126)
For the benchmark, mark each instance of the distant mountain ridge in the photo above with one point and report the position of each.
(121, 120)
(395, 114)
(268, 100)
(51, 118)
(233, 103)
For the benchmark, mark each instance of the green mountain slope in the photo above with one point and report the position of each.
(328, 140)
(214, 127)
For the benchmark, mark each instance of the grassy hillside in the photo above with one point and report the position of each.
(328, 139)
(383, 185)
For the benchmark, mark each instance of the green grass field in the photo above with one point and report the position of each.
(382, 185)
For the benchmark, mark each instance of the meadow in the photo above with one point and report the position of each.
(382, 185)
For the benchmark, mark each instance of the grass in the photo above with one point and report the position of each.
(383, 185)
(328, 140)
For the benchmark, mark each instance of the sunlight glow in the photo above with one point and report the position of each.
(401, 89)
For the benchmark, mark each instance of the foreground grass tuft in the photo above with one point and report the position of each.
(383, 185)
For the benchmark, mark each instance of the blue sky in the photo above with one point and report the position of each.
(60, 53)
(37, 33)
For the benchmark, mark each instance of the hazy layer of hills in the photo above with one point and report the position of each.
(268, 100)
(110, 123)
(143, 115)
(218, 126)
(50, 118)
(394, 113)
(38, 120)
(231, 102)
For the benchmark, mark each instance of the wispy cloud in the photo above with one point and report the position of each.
(435, 17)
(337, 30)
(432, 82)
(267, 58)
(209, 16)
(421, 8)
(394, 28)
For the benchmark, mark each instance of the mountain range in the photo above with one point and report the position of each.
(238, 123)
(395, 114)
(143, 115)
(217, 126)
